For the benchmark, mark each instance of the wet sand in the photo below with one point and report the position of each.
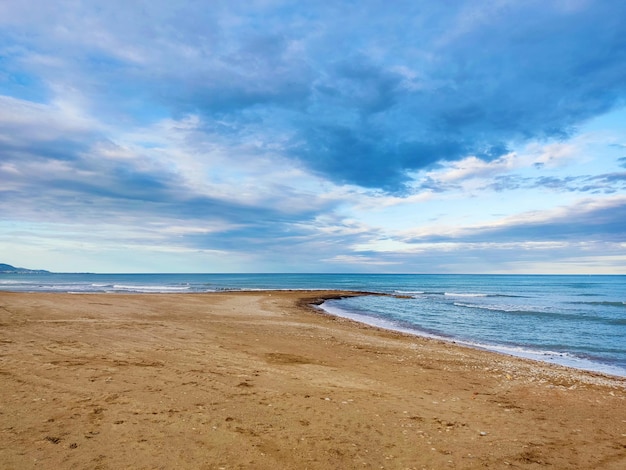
(260, 380)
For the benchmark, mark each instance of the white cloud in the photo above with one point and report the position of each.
(553, 155)
(22, 119)
(359, 260)
(474, 168)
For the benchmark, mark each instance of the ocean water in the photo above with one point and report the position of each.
(577, 321)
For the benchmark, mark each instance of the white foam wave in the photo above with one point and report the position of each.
(499, 308)
(455, 294)
(146, 288)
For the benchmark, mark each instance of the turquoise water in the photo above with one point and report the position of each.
(579, 321)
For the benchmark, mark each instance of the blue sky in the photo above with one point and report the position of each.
(273, 136)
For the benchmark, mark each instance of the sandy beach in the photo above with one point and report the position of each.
(261, 380)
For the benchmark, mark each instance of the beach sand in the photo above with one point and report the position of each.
(259, 380)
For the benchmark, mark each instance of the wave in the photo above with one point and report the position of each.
(602, 304)
(503, 309)
(455, 294)
(469, 294)
(545, 314)
(149, 288)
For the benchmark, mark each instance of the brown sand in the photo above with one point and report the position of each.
(259, 381)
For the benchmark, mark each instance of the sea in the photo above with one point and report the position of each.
(573, 320)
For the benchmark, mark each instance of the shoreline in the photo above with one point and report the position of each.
(592, 373)
(263, 379)
(511, 351)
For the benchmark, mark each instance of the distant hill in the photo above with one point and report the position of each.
(8, 269)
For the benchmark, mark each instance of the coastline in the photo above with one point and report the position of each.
(559, 359)
(264, 380)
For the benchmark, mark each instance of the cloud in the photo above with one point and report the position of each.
(526, 74)
(607, 183)
(172, 185)
(361, 260)
(588, 219)
(362, 97)
(549, 167)
(308, 133)
(64, 170)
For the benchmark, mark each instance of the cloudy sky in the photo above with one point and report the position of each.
(464, 136)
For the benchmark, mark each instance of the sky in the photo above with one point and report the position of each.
(465, 136)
